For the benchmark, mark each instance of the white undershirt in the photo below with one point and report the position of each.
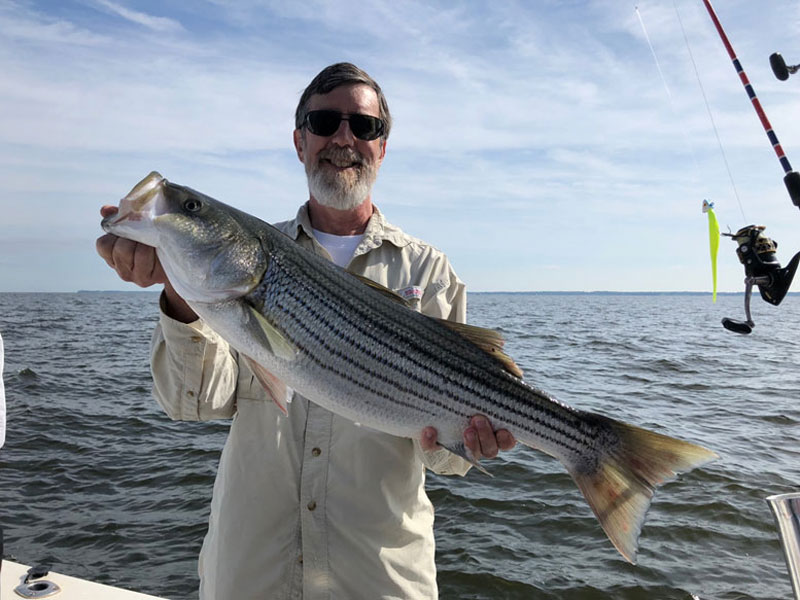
(340, 247)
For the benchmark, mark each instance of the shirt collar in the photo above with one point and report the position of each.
(378, 230)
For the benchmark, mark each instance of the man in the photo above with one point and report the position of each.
(313, 506)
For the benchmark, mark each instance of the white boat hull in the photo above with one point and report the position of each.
(71, 588)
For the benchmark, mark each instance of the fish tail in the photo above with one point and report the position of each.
(619, 483)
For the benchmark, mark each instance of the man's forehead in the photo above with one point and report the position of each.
(352, 97)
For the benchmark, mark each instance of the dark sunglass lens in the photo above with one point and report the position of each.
(365, 127)
(326, 122)
(323, 122)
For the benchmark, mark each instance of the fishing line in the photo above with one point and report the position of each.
(708, 108)
(705, 99)
(708, 207)
(669, 93)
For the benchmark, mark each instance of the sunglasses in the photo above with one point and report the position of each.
(326, 122)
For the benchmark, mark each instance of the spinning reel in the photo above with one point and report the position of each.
(757, 253)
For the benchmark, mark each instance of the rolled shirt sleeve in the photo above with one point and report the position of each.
(194, 370)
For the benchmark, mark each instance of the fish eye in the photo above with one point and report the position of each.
(192, 205)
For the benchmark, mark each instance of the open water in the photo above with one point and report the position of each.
(97, 482)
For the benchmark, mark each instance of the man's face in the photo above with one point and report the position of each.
(341, 168)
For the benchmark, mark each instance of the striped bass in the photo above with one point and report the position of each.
(304, 324)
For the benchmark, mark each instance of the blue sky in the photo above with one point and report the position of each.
(534, 142)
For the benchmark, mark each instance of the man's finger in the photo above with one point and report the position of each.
(146, 265)
(472, 442)
(505, 440)
(108, 210)
(123, 258)
(486, 436)
(105, 248)
(428, 441)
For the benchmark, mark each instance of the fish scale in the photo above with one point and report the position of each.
(302, 322)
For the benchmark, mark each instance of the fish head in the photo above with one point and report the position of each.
(206, 247)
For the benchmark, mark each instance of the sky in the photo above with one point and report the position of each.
(539, 144)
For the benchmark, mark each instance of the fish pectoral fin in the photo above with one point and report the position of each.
(461, 450)
(390, 294)
(487, 340)
(278, 344)
(275, 388)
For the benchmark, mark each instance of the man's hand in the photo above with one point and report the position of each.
(139, 264)
(131, 260)
(479, 437)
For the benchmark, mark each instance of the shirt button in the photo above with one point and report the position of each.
(190, 393)
(312, 505)
(300, 559)
(316, 452)
(196, 339)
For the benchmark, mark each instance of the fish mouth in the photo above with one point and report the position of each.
(140, 204)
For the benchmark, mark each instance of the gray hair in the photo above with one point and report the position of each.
(337, 75)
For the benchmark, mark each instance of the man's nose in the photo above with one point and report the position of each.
(344, 135)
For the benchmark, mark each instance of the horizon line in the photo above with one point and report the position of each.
(521, 292)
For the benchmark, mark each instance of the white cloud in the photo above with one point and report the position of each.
(521, 129)
(20, 25)
(158, 24)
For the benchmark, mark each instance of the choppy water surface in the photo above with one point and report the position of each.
(96, 481)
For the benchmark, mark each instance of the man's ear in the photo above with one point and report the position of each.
(298, 144)
(384, 141)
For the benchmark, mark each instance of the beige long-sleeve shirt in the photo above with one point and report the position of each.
(311, 505)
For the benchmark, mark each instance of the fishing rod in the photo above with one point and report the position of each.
(755, 250)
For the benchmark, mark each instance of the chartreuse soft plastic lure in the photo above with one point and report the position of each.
(713, 239)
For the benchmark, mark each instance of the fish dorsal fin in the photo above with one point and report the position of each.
(487, 340)
(391, 295)
(278, 344)
(275, 388)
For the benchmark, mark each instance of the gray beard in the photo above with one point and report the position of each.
(340, 191)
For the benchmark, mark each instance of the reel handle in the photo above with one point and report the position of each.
(743, 327)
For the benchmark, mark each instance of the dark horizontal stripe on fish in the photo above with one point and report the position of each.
(359, 323)
(537, 414)
(392, 367)
(518, 391)
(322, 341)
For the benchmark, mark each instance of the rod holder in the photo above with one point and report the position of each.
(786, 510)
